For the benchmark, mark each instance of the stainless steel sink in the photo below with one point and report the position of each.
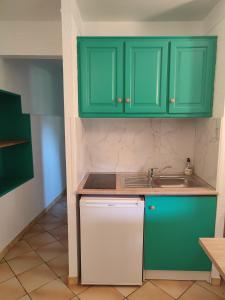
(162, 181)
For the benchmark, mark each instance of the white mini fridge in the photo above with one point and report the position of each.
(111, 232)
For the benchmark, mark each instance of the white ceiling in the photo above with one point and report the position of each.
(30, 10)
(109, 10)
(145, 10)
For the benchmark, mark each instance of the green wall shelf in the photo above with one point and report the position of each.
(16, 161)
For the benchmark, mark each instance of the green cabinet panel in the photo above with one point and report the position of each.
(173, 225)
(192, 76)
(146, 76)
(101, 73)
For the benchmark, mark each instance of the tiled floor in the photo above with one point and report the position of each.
(37, 268)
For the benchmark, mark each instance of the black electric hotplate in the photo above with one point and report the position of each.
(101, 181)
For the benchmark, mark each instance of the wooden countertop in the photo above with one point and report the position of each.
(215, 250)
(205, 189)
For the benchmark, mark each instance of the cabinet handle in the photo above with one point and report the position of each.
(119, 100)
(173, 100)
(152, 207)
(127, 100)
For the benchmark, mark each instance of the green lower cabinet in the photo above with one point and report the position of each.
(173, 225)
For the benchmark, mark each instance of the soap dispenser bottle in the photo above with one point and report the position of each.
(188, 167)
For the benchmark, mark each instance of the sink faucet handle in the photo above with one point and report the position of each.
(151, 171)
(166, 167)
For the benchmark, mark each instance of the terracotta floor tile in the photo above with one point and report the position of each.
(218, 290)
(60, 265)
(48, 218)
(174, 288)
(25, 262)
(149, 291)
(35, 278)
(51, 251)
(126, 290)
(64, 242)
(78, 288)
(54, 290)
(196, 292)
(36, 229)
(41, 239)
(26, 297)
(51, 226)
(20, 248)
(11, 290)
(60, 232)
(58, 210)
(50, 221)
(101, 293)
(2, 261)
(5, 272)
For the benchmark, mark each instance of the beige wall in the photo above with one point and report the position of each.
(142, 28)
(30, 38)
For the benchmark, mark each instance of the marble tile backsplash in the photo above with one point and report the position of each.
(206, 149)
(138, 144)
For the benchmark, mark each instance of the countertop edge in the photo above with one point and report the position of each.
(205, 190)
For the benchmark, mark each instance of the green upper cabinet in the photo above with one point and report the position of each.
(101, 71)
(158, 77)
(191, 76)
(146, 76)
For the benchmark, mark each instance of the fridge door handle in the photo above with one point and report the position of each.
(94, 204)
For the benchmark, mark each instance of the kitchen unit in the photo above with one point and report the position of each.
(170, 77)
(176, 216)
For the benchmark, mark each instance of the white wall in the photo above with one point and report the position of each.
(75, 157)
(141, 28)
(21, 205)
(30, 38)
(214, 24)
(40, 80)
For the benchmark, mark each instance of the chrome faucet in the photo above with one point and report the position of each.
(151, 172)
(163, 169)
(151, 175)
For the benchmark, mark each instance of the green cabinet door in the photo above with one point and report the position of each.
(146, 76)
(173, 225)
(192, 64)
(101, 76)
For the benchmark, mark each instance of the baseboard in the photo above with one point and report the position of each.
(216, 281)
(27, 228)
(72, 281)
(177, 275)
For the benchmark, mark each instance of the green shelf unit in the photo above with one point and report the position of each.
(16, 161)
